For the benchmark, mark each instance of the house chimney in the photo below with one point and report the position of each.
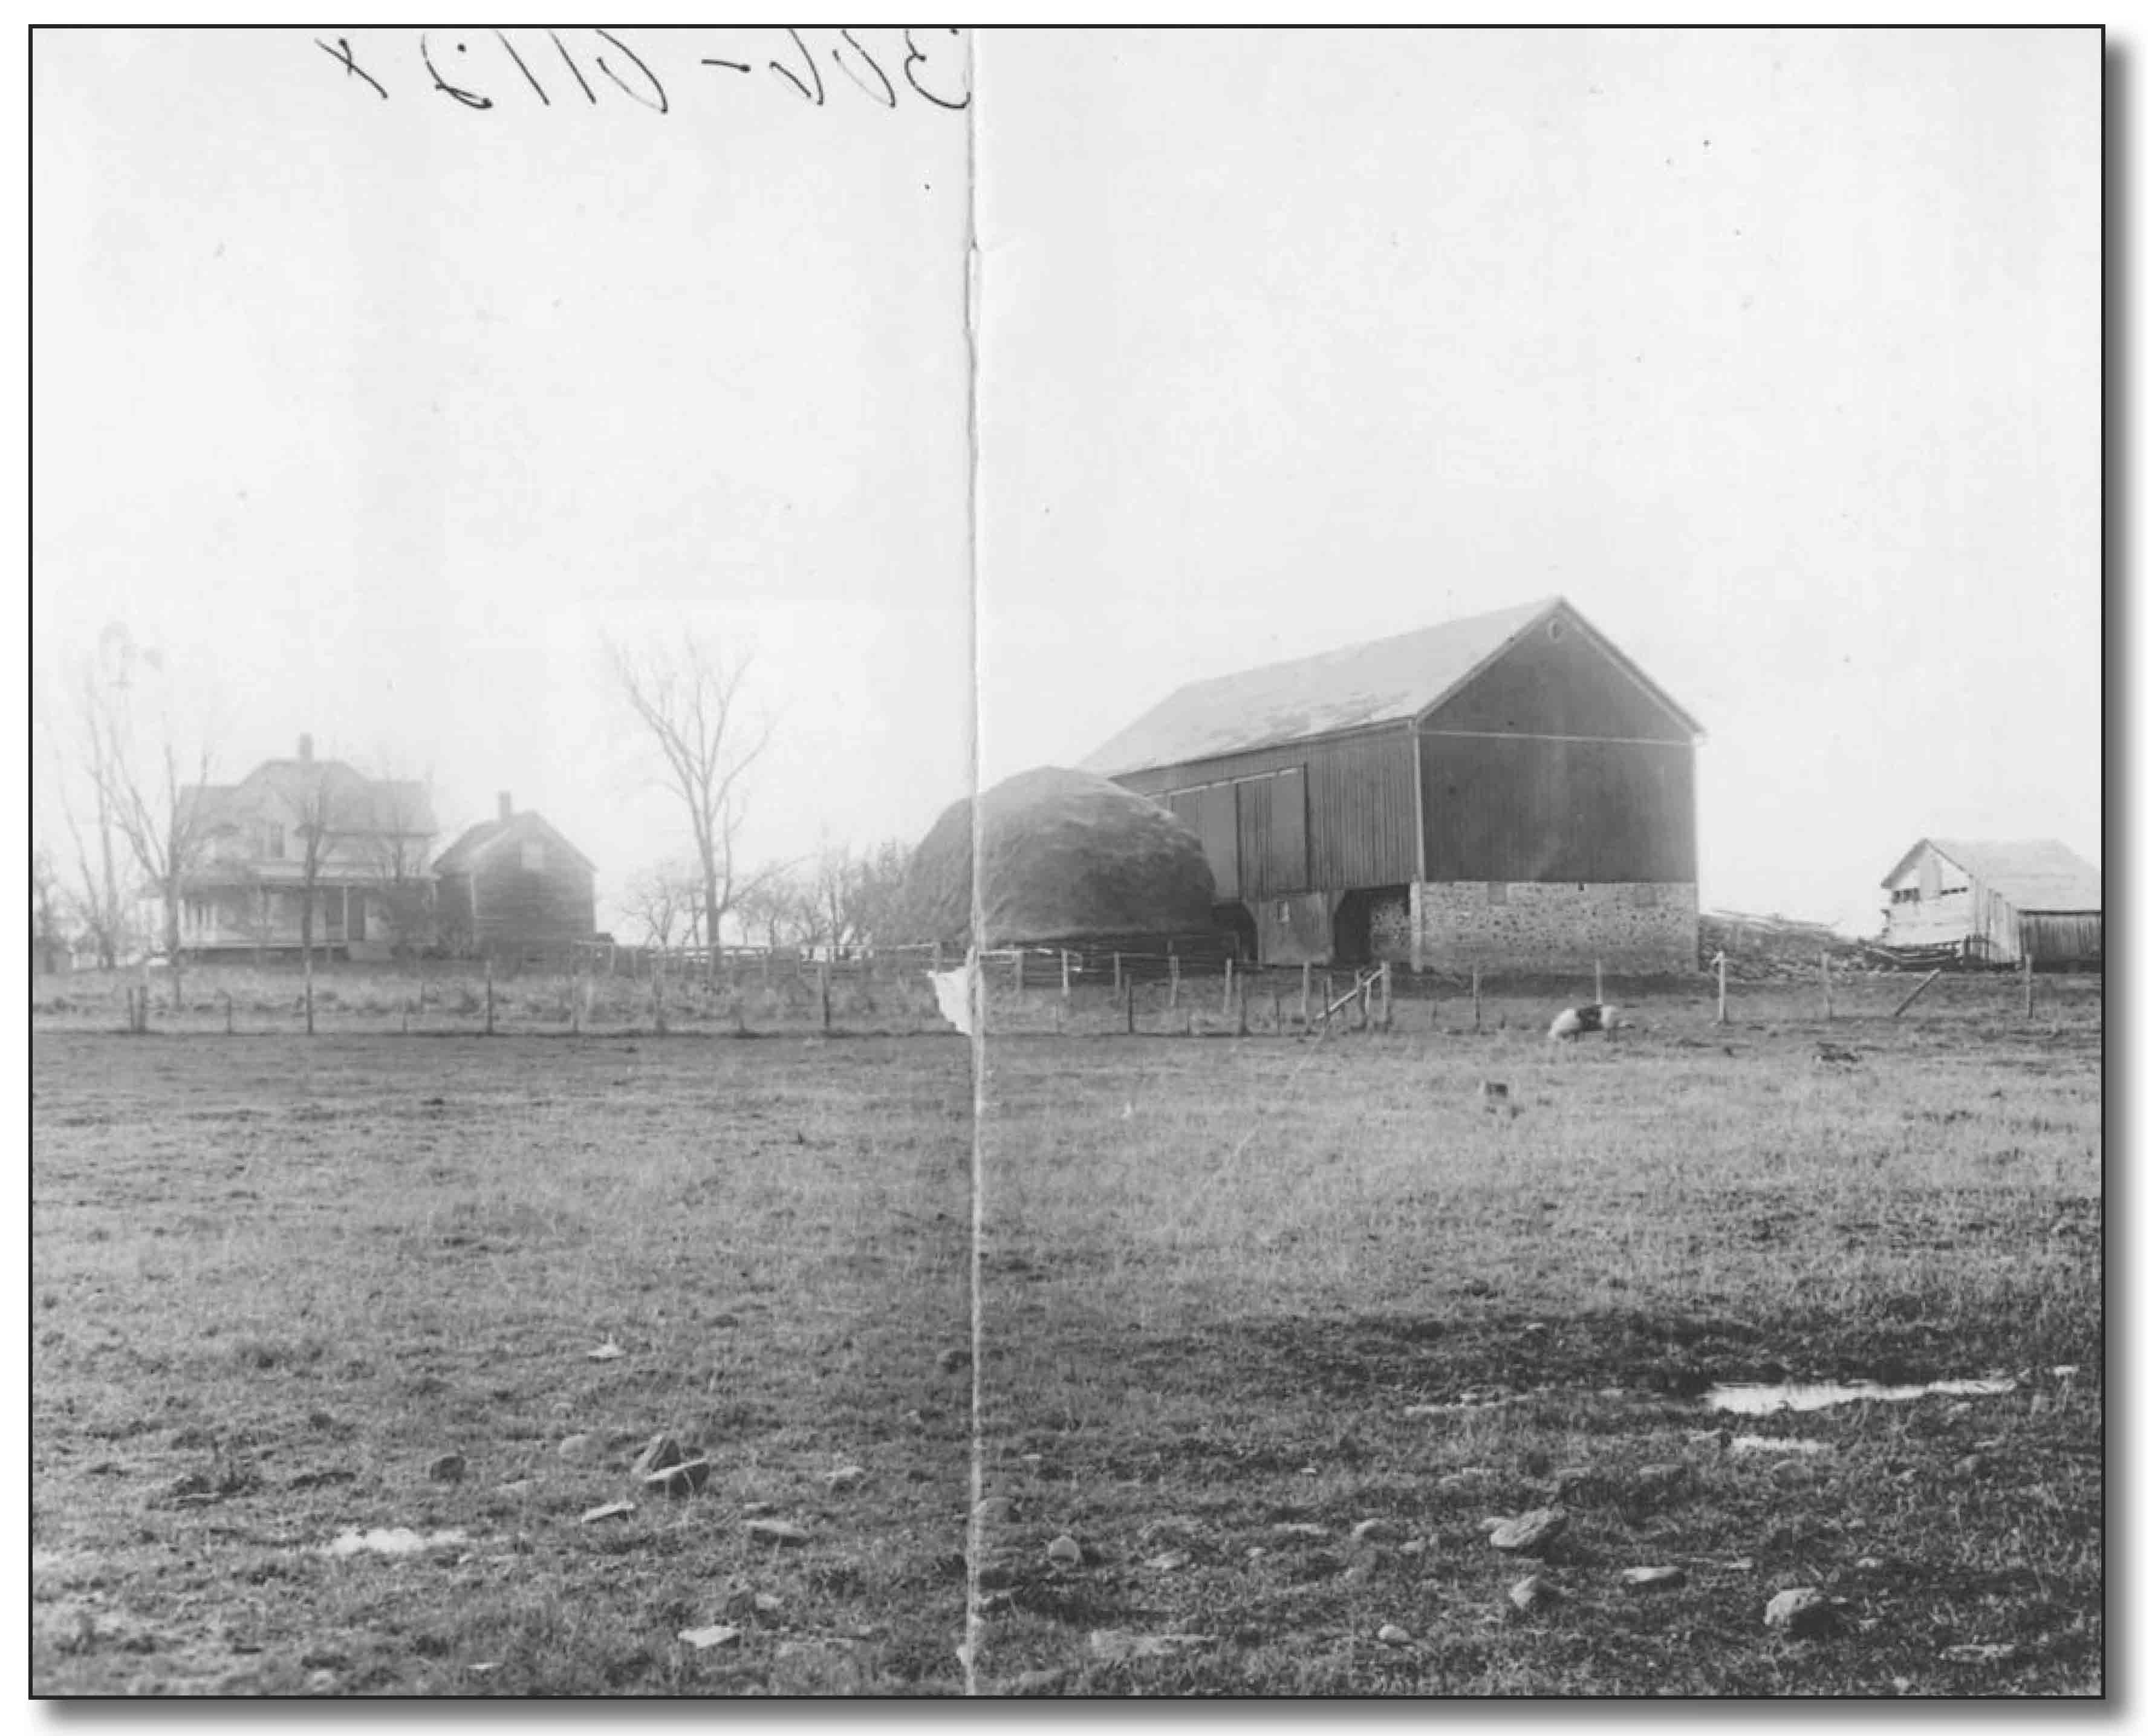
(506, 810)
(306, 750)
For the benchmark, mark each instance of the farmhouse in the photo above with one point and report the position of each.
(1506, 790)
(1996, 904)
(302, 828)
(513, 887)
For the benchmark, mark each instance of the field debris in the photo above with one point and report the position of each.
(1995, 1653)
(1066, 1551)
(449, 1468)
(1168, 1562)
(607, 1352)
(1744, 1445)
(1119, 1645)
(575, 1446)
(611, 1510)
(1653, 1579)
(1392, 1634)
(395, 1540)
(1374, 1531)
(1529, 1532)
(1834, 1054)
(1802, 1611)
(679, 1482)
(1749, 1400)
(660, 1453)
(1533, 1593)
(702, 1639)
(782, 1532)
(846, 1477)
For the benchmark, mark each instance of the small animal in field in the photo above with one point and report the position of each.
(1496, 1099)
(1583, 1022)
(1832, 1054)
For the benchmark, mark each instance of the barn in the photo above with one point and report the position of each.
(513, 888)
(1507, 789)
(1996, 903)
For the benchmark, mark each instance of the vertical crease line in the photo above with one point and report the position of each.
(976, 994)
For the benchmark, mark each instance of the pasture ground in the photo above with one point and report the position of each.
(274, 1278)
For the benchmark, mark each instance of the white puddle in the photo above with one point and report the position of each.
(399, 1540)
(1756, 1400)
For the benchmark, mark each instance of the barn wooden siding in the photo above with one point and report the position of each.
(1529, 807)
(2062, 937)
(1565, 685)
(1356, 806)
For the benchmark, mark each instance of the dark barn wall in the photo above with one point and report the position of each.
(1565, 686)
(518, 907)
(1522, 808)
(1358, 813)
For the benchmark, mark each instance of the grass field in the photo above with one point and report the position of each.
(1239, 1297)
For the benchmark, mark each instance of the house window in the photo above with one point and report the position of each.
(535, 858)
(273, 841)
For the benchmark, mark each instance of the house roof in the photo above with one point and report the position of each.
(476, 842)
(2030, 874)
(1386, 681)
(358, 803)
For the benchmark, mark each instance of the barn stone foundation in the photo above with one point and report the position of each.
(1641, 929)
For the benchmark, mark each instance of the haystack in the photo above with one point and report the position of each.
(1068, 857)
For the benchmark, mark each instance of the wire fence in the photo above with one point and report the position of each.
(1165, 989)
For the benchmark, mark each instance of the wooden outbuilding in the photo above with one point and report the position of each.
(1996, 903)
(1508, 790)
(513, 888)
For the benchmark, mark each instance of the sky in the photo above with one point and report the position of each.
(1778, 354)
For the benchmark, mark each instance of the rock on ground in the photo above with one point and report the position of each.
(1802, 1611)
(1530, 1531)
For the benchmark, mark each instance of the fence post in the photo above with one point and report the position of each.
(311, 1001)
(1173, 978)
(1242, 1013)
(1721, 988)
(1118, 973)
(1477, 998)
(1278, 1017)
(935, 956)
(1305, 994)
(1825, 980)
(228, 1012)
(823, 988)
(1228, 993)
(489, 996)
(1066, 973)
(1129, 1008)
(2028, 985)
(658, 997)
(1597, 997)
(1386, 967)
(1329, 997)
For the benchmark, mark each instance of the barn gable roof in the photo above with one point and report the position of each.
(2030, 874)
(1386, 681)
(477, 842)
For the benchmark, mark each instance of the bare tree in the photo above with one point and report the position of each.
(319, 817)
(46, 939)
(144, 786)
(774, 908)
(687, 696)
(96, 896)
(402, 830)
(658, 897)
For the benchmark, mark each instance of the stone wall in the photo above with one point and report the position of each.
(1391, 930)
(1641, 929)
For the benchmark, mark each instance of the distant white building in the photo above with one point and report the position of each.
(1996, 904)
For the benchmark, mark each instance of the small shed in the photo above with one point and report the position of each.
(1997, 903)
(513, 888)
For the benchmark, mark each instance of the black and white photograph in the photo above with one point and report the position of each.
(895, 862)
